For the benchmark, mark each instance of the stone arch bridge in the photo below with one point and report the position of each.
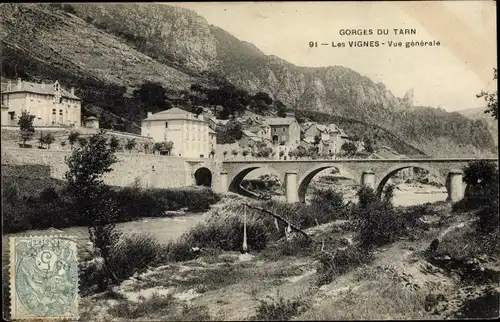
(297, 174)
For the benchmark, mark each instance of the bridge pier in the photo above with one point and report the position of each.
(455, 186)
(368, 179)
(291, 189)
(223, 187)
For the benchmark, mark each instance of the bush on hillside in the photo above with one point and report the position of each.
(482, 181)
(142, 250)
(329, 203)
(227, 234)
(132, 255)
(376, 220)
(339, 262)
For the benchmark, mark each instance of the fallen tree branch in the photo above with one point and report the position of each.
(294, 227)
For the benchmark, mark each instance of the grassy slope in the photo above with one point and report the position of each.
(223, 287)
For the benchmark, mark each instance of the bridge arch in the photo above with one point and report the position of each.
(241, 173)
(305, 180)
(203, 177)
(393, 170)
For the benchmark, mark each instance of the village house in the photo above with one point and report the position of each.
(284, 131)
(51, 104)
(331, 137)
(215, 123)
(249, 141)
(189, 133)
(262, 131)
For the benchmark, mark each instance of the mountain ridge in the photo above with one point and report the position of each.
(177, 47)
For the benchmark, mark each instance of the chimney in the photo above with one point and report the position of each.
(290, 114)
(42, 86)
(72, 90)
(150, 114)
(9, 85)
(19, 84)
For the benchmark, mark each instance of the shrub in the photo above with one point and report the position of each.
(134, 254)
(227, 234)
(278, 309)
(294, 246)
(328, 205)
(482, 192)
(376, 220)
(339, 262)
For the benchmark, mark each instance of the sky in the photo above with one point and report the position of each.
(447, 76)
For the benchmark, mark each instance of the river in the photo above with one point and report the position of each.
(167, 229)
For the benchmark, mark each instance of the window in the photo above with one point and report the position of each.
(60, 112)
(283, 129)
(166, 125)
(11, 115)
(53, 111)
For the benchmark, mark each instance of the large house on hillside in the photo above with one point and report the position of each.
(189, 133)
(51, 104)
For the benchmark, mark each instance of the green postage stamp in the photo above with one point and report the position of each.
(43, 277)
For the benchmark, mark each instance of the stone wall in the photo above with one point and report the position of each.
(149, 170)
(11, 137)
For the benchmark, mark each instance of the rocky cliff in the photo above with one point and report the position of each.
(119, 46)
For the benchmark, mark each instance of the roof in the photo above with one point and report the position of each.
(210, 131)
(172, 114)
(255, 129)
(91, 118)
(276, 121)
(37, 88)
(217, 121)
(342, 134)
(248, 133)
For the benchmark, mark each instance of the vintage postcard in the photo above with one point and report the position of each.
(266, 160)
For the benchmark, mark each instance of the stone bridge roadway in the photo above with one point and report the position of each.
(297, 174)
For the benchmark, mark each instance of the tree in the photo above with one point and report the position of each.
(164, 147)
(167, 147)
(73, 138)
(153, 94)
(82, 141)
(26, 126)
(491, 99)
(130, 145)
(146, 147)
(47, 139)
(114, 143)
(317, 139)
(369, 145)
(93, 204)
(230, 134)
(281, 108)
(349, 147)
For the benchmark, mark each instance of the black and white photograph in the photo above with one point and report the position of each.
(249, 161)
